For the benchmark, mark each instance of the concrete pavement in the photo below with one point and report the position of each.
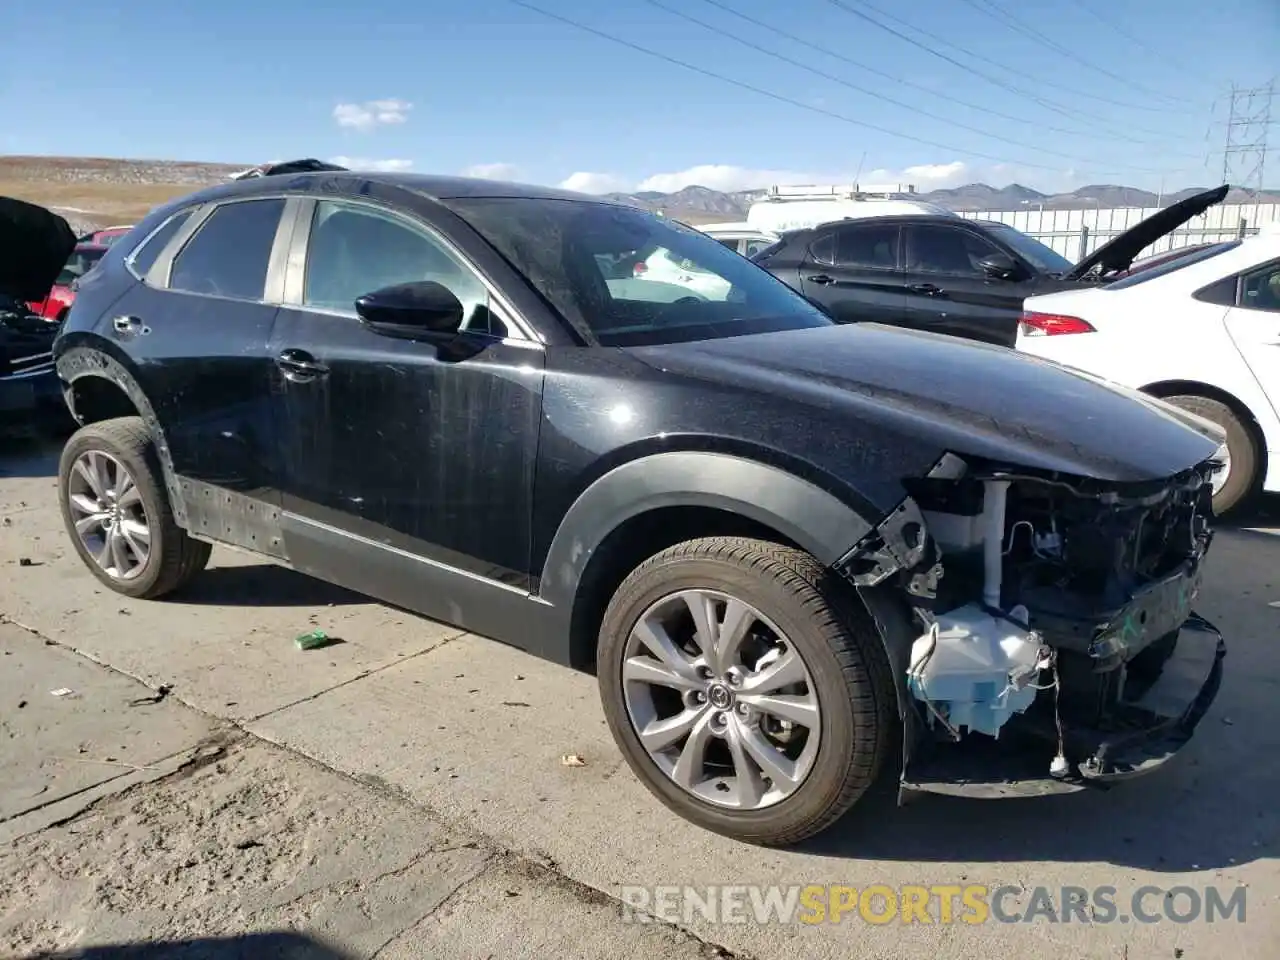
(472, 732)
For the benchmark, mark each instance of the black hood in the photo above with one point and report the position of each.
(1120, 252)
(955, 395)
(35, 245)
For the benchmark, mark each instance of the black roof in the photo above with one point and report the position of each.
(434, 187)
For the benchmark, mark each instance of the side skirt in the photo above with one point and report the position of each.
(428, 587)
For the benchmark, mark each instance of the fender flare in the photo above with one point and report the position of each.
(86, 361)
(808, 515)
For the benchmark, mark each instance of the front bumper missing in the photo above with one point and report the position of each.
(1144, 735)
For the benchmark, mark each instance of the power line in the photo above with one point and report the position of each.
(780, 98)
(902, 81)
(720, 31)
(1119, 28)
(969, 68)
(1244, 158)
(993, 9)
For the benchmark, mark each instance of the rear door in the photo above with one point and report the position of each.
(1254, 326)
(197, 329)
(946, 291)
(853, 270)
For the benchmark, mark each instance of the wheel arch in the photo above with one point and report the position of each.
(1163, 389)
(645, 505)
(99, 386)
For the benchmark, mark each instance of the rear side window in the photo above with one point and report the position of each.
(874, 247)
(230, 253)
(144, 258)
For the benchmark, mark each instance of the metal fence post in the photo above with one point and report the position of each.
(1244, 228)
(1084, 242)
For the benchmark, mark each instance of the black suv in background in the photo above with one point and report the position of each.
(947, 274)
(433, 391)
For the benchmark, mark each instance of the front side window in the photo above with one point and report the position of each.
(354, 250)
(1041, 256)
(230, 253)
(560, 245)
(946, 250)
(1261, 289)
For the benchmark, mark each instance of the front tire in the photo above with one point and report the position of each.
(115, 510)
(746, 688)
(1242, 448)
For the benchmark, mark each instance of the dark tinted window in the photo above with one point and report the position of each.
(1222, 293)
(229, 255)
(354, 250)
(1261, 289)
(559, 246)
(874, 246)
(144, 257)
(1168, 266)
(946, 250)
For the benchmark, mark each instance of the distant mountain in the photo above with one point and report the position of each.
(704, 205)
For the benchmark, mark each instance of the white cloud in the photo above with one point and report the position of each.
(493, 171)
(371, 113)
(585, 182)
(377, 166)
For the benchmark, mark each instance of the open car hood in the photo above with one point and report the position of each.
(1119, 253)
(34, 246)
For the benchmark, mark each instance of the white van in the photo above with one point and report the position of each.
(799, 207)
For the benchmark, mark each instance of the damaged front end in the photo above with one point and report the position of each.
(1053, 643)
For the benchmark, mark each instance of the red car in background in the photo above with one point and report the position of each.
(83, 258)
(106, 236)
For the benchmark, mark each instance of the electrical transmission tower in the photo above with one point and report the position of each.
(1244, 158)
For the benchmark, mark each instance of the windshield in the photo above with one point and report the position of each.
(1040, 256)
(582, 258)
(1171, 264)
(81, 262)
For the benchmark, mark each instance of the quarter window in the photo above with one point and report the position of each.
(1261, 289)
(354, 250)
(144, 258)
(230, 253)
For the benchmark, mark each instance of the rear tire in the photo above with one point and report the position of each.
(1242, 446)
(123, 446)
(847, 689)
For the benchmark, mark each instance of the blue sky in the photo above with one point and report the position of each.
(498, 88)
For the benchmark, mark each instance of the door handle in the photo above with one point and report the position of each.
(821, 278)
(127, 326)
(299, 366)
(928, 289)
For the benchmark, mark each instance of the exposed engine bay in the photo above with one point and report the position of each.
(1054, 616)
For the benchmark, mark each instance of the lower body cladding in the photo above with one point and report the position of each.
(1053, 645)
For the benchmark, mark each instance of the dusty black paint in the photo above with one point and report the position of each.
(473, 480)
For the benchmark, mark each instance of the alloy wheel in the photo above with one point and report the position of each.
(109, 517)
(721, 701)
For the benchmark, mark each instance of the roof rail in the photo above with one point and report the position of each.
(852, 191)
(277, 167)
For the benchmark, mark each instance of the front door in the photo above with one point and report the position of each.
(853, 270)
(420, 449)
(946, 291)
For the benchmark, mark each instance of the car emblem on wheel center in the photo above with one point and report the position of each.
(719, 696)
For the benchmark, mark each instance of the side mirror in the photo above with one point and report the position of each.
(998, 266)
(411, 310)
